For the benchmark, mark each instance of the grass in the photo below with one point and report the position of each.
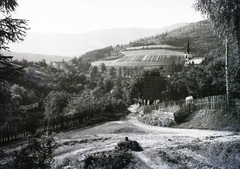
(211, 119)
(153, 52)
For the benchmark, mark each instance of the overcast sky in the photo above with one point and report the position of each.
(80, 16)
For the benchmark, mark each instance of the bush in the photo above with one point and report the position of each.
(118, 158)
(37, 154)
(155, 120)
(115, 159)
(129, 145)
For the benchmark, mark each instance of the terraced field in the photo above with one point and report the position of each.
(167, 59)
(146, 58)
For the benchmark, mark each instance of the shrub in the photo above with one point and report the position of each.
(37, 154)
(156, 121)
(115, 159)
(118, 158)
(129, 145)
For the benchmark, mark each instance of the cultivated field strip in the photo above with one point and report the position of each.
(153, 58)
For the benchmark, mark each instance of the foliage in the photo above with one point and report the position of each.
(112, 71)
(97, 54)
(37, 154)
(137, 85)
(225, 16)
(204, 80)
(118, 158)
(114, 159)
(129, 145)
(11, 30)
(54, 104)
(102, 67)
(108, 84)
(155, 120)
(6, 104)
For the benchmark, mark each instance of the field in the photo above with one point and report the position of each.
(145, 58)
(153, 52)
(155, 47)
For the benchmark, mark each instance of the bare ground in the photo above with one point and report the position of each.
(163, 148)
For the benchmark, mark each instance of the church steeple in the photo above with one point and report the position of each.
(187, 54)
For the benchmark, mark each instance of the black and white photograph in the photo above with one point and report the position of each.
(119, 84)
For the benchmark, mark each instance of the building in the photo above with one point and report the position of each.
(29, 103)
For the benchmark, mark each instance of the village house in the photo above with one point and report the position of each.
(29, 103)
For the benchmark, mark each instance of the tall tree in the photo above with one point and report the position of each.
(225, 15)
(11, 30)
(102, 67)
(112, 71)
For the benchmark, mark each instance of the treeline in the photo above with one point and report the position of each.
(136, 44)
(97, 54)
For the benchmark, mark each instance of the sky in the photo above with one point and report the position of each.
(81, 16)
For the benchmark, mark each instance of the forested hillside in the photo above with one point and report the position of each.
(202, 37)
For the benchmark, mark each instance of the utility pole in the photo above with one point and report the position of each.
(227, 73)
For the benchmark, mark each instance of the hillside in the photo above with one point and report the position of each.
(203, 39)
(77, 44)
(201, 36)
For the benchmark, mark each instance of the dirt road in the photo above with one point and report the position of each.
(163, 147)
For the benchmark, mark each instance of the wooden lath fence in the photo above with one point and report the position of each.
(182, 110)
(211, 102)
(207, 103)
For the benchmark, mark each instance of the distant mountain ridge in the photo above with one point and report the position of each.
(35, 57)
(77, 44)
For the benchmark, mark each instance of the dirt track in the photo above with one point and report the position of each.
(163, 147)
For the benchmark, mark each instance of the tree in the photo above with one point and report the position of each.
(112, 71)
(37, 154)
(102, 67)
(54, 104)
(11, 30)
(225, 15)
(124, 71)
(93, 69)
(119, 71)
(109, 84)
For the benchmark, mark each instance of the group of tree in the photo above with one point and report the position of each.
(199, 81)
(97, 54)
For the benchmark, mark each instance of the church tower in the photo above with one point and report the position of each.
(187, 54)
